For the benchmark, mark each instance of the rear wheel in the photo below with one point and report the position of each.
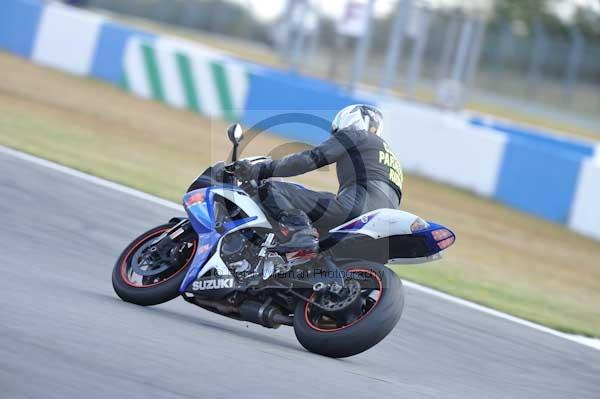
(350, 324)
(146, 274)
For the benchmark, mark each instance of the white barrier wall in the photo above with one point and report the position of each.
(185, 75)
(443, 146)
(585, 211)
(67, 39)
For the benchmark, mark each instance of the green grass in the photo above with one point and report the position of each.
(114, 156)
(526, 302)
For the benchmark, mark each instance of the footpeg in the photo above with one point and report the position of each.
(318, 286)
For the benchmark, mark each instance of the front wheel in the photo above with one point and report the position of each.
(147, 274)
(370, 311)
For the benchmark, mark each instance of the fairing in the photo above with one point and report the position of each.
(389, 230)
(199, 205)
(387, 234)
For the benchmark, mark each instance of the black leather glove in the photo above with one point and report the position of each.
(245, 171)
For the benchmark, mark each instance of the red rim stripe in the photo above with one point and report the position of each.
(135, 247)
(311, 325)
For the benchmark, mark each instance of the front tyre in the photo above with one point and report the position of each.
(143, 277)
(378, 310)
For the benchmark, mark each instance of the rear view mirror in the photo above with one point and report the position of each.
(235, 133)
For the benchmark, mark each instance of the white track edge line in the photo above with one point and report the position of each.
(589, 342)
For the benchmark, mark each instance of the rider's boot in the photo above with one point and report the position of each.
(296, 233)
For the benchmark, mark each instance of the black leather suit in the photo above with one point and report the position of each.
(369, 176)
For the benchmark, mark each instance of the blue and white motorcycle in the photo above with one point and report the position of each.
(223, 258)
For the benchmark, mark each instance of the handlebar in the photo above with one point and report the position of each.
(230, 168)
(229, 174)
(248, 186)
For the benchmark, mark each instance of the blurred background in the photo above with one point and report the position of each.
(534, 60)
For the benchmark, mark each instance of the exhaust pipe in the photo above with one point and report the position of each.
(222, 308)
(262, 313)
(283, 319)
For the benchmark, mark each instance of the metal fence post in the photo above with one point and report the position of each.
(163, 11)
(283, 43)
(299, 37)
(395, 44)
(462, 53)
(448, 50)
(503, 53)
(450, 91)
(534, 72)
(362, 49)
(573, 63)
(479, 34)
(418, 50)
(313, 42)
(339, 50)
(247, 21)
(191, 15)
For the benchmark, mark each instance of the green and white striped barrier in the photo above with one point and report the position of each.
(186, 76)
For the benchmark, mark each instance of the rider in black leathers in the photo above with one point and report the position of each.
(369, 175)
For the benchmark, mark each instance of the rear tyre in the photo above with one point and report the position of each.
(324, 335)
(153, 288)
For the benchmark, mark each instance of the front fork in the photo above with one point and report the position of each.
(163, 244)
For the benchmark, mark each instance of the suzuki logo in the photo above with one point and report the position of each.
(212, 284)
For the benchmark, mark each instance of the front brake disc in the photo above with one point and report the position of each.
(142, 263)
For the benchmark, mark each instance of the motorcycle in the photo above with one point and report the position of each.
(223, 258)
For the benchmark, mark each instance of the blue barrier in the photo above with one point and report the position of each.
(19, 21)
(310, 109)
(295, 79)
(536, 137)
(538, 179)
(107, 61)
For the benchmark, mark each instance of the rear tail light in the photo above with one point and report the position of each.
(444, 238)
(446, 243)
(441, 234)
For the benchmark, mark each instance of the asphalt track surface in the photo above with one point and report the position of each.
(65, 334)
